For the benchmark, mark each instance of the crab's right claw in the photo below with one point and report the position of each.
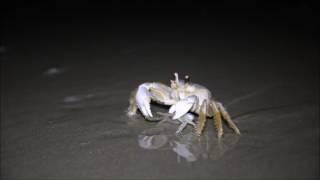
(182, 107)
(143, 101)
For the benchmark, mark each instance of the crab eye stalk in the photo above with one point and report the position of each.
(176, 77)
(187, 78)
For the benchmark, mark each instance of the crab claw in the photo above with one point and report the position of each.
(143, 100)
(182, 107)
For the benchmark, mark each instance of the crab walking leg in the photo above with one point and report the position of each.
(185, 120)
(181, 127)
(202, 118)
(132, 109)
(217, 118)
(227, 118)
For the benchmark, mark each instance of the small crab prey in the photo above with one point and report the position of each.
(184, 98)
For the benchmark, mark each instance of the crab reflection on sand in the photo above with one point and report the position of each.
(187, 145)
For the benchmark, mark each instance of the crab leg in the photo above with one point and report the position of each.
(227, 118)
(132, 109)
(181, 127)
(185, 120)
(217, 118)
(202, 118)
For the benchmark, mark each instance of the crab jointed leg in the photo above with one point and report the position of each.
(217, 118)
(227, 118)
(219, 114)
(132, 109)
(185, 120)
(202, 118)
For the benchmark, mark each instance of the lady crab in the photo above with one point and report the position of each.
(184, 98)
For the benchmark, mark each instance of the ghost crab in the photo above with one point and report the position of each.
(185, 99)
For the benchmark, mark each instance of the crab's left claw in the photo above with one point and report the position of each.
(143, 101)
(182, 106)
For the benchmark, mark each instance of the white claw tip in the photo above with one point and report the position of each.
(176, 116)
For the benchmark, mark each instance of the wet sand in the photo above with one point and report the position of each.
(65, 85)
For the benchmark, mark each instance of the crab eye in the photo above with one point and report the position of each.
(187, 78)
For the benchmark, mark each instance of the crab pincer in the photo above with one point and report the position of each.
(143, 100)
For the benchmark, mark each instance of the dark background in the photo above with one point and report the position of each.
(259, 58)
(238, 32)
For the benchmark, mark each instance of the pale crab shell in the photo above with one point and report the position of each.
(183, 97)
